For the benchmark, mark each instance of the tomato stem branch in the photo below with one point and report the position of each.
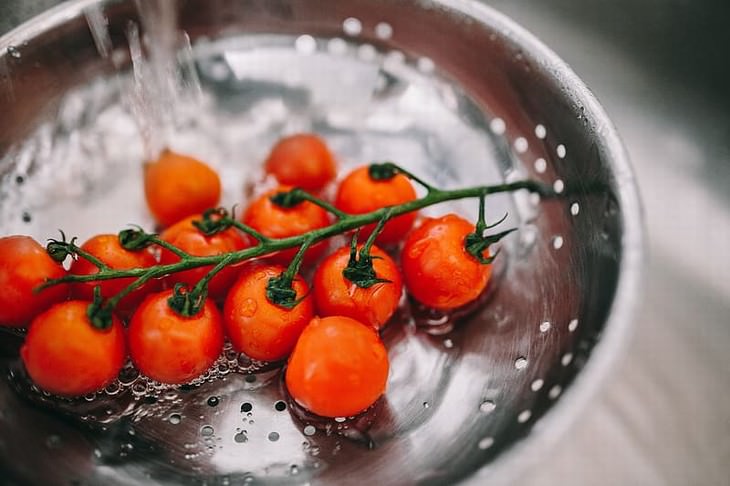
(218, 219)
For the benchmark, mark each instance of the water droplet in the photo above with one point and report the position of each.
(294, 470)
(521, 363)
(241, 437)
(174, 418)
(246, 407)
(273, 436)
(426, 405)
(487, 406)
(486, 443)
(384, 30)
(207, 430)
(540, 131)
(53, 441)
(339, 420)
(213, 401)
(540, 165)
(26, 217)
(249, 307)
(305, 44)
(352, 26)
(544, 326)
(14, 52)
(448, 343)
(309, 430)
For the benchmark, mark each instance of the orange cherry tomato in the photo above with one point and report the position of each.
(339, 367)
(275, 221)
(302, 160)
(191, 240)
(359, 193)
(108, 249)
(335, 295)
(65, 354)
(177, 186)
(24, 265)
(171, 348)
(437, 269)
(258, 327)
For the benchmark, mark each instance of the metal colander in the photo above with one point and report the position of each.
(469, 400)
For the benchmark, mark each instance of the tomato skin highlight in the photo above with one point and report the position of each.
(170, 348)
(260, 329)
(108, 249)
(191, 240)
(335, 295)
(177, 186)
(65, 355)
(275, 221)
(302, 160)
(339, 367)
(24, 265)
(437, 269)
(358, 193)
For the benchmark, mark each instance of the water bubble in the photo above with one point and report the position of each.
(273, 436)
(174, 418)
(521, 363)
(213, 401)
(309, 430)
(280, 406)
(487, 406)
(448, 343)
(545, 326)
(294, 470)
(339, 420)
(426, 405)
(207, 430)
(241, 437)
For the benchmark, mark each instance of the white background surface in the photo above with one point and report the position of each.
(663, 416)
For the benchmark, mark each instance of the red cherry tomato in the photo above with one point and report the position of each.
(189, 239)
(177, 186)
(24, 265)
(65, 354)
(171, 348)
(108, 249)
(259, 328)
(335, 295)
(275, 221)
(339, 367)
(359, 193)
(302, 160)
(437, 269)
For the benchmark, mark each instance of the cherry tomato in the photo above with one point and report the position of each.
(171, 348)
(335, 295)
(437, 269)
(177, 186)
(339, 367)
(259, 328)
(302, 160)
(191, 240)
(24, 265)
(65, 354)
(275, 221)
(359, 193)
(108, 249)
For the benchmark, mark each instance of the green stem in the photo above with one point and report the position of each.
(343, 225)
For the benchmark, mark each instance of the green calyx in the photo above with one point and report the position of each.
(360, 269)
(288, 199)
(214, 221)
(185, 302)
(135, 239)
(99, 312)
(383, 172)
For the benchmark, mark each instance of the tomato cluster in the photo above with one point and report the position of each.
(329, 332)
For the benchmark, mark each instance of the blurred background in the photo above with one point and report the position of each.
(661, 70)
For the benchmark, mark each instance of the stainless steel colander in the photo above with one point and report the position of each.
(476, 402)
